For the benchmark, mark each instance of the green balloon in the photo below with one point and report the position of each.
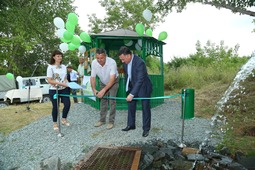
(76, 40)
(70, 27)
(77, 46)
(9, 76)
(64, 40)
(73, 18)
(71, 46)
(68, 35)
(139, 28)
(149, 32)
(85, 37)
(162, 36)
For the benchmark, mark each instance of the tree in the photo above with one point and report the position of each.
(124, 14)
(210, 54)
(27, 33)
(236, 6)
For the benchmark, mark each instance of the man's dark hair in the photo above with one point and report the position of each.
(124, 50)
(100, 51)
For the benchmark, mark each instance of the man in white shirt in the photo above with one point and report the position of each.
(106, 69)
(72, 77)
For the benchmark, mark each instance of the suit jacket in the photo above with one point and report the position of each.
(140, 84)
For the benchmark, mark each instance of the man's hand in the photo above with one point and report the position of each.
(100, 94)
(129, 98)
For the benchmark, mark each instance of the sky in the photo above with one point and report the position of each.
(197, 22)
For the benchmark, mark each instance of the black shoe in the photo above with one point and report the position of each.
(145, 133)
(128, 128)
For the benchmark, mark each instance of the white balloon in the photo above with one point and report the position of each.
(137, 47)
(140, 43)
(19, 78)
(129, 43)
(58, 22)
(82, 49)
(63, 47)
(60, 32)
(147, 15)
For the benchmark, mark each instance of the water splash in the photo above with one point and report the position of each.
(244, 72)
(217, 119)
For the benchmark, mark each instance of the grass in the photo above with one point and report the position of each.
(14, 117)
(206, 99)
(240, 114)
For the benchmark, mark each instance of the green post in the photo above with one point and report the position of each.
(188, 103)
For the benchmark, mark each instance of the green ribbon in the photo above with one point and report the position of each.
(119, 98)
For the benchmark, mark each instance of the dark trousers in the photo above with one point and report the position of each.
(64, 99)
(146, 109)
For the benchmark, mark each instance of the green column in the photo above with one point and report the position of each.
(188, 103)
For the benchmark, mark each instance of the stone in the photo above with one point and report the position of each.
(157, 164)
(168, 153)
(166, 167)
(159, 155)
(182, 165)
(236, 166)
(248, 162)
(225, 151)
(51, 163)
(195, 157)
(146, 161)
(225, 161)
(188, 150)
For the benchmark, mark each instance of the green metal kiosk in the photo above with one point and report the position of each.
(144, 46)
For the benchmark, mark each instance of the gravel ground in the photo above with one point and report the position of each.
(30, 144)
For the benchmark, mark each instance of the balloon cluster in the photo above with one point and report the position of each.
(140, 29)
(65, 32)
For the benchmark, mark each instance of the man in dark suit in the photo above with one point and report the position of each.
(138, 85)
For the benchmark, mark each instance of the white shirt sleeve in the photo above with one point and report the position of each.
(93, 68)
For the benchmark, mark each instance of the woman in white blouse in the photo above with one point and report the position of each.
(57, 78)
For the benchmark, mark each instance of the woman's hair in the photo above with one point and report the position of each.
(55, 52)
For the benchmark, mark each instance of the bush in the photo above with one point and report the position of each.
(196, 77)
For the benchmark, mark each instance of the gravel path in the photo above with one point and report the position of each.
(29, 145)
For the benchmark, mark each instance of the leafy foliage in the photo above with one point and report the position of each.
(236, 6)
(27, 33)
(210, 54)
(124, 14)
